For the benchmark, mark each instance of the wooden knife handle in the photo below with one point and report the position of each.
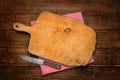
(53, 65)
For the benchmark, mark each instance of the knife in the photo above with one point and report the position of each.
(40, 61)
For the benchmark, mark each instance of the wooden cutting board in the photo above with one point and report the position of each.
(60, 39)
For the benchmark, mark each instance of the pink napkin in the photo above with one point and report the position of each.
(46, 69)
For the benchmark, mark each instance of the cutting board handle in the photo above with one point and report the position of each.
(21, 27)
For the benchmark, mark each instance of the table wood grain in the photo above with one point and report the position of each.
(102, 15)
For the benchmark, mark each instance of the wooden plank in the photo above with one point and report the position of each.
(102, 57)
(102, 21)
(13, 73)
(98, 21)
(108, 39)
(16, 36)
(66, 1)
(7, 20)
(106, 73)
(9, 57)
(36, 6)
(105, 39)
(33, 73)
(84, 73)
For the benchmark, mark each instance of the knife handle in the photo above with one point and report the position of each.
(51, 64)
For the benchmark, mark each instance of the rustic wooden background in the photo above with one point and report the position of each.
(101, 15)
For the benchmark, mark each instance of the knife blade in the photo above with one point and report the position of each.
(40, 61)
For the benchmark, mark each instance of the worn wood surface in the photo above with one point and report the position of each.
(101, 15)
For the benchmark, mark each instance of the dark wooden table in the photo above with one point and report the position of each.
(101, 15)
